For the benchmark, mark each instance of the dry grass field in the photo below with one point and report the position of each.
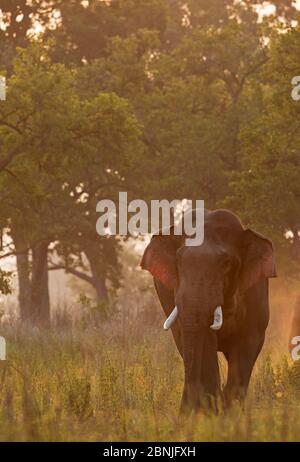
(123, 382)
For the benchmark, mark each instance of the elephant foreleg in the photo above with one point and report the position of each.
(241, 359)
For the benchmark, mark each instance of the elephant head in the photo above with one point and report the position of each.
(206, 280)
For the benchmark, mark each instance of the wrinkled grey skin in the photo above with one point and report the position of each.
(231, 268)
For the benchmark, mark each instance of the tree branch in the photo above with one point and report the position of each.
(75, 272)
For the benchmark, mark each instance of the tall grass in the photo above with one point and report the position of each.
(124, 382)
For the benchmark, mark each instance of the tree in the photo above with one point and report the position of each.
(161, 98)
(66, 146)
(17, 17)
(266, 190)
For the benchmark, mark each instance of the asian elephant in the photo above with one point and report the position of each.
(220, 293)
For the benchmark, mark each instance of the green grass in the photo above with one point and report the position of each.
(121, 382)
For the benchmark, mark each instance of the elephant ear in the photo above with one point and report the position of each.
(258, 259)
(160, 259)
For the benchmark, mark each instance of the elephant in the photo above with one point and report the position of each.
(220, 291)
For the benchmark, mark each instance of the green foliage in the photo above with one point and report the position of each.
(265, 190)
(161, 98)
(66, 151)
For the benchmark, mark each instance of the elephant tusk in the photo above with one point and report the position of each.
(218, 319)
(171, 319)
(217, 324)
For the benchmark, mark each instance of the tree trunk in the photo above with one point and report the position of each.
(21, 247)
(40, 313)
(100, 288)
(98, 278)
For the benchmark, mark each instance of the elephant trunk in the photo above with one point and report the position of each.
(202, 379)
(193, 345)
